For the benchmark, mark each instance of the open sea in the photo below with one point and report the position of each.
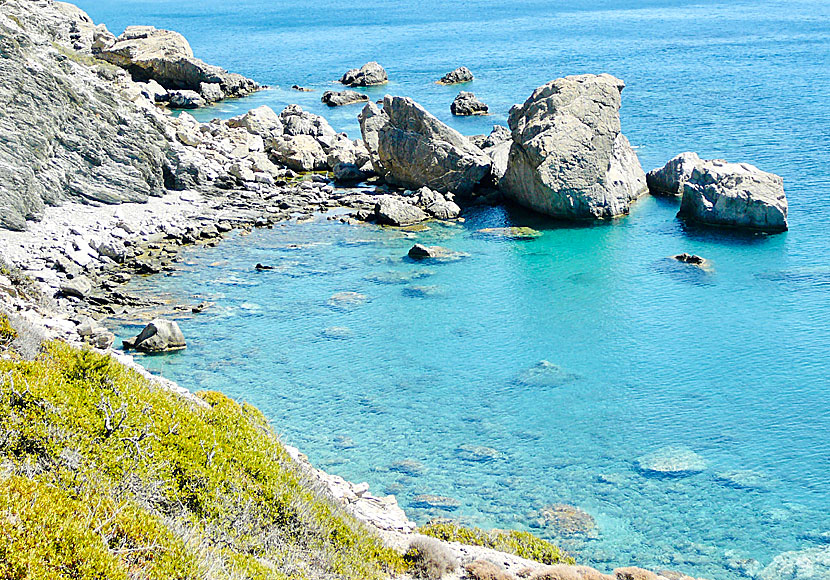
(423, 382)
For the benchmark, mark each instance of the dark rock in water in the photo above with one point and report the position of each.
(567, 520)
(340, 98)
(263, 267)
(690, 259)
(348, 173)
(301, 89)
(199, 308)
(477, 453)
(466, 104)
(440, 253)
(158, 336)
(671, 461)
(408, 467)
(460, 75)
(428, 501)
(370, 74)
(186, 100)
(546, 374)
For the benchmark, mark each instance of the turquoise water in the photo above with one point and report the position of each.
(732, 363)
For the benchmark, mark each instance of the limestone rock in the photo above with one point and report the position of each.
(298, 152)
(568, 158)
(211, 92)
(435, 204)
(347, 173)
(369, 74)
(671, 178)
(567, 572)
(634, 573)
(165, 56)
(460, 75)
(159, 336)
(77, 287)
(392, 211)
(186, 100)
(262, 121)
(672, 461)
(807, 564)
(734, 195)
(466, 104)
(296, 121)
(340, 98)
(412, 148)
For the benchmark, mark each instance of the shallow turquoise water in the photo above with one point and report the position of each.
(733, 364)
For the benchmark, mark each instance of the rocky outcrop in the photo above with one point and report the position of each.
(460, 75)
(392, 211)
(466, 104)
(166, 57)
(158, 336)
(735, 195)
(568, 158)
(370, 74)
(670, 179)
(340, 98)
(52, 148)
(411, 148)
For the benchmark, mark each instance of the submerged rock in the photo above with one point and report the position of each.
(337, 332)
(347, 300)
(735, 195)
(159, 336)
(546, 374)
(673, 461)
(430, 501)
(743, 479)
(477, 453)
(466, 104)
(460, 75)
(568, 158)
(512, 233)
(567, 520)
(340, 98)
(411, 148)
(370, 74)
(807, 564)
(408, 467)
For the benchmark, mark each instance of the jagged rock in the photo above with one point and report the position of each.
(460, 75)
(295, 121)
(348, 173)
(436, 204)
(412, 148)
(211, 92)
(674, 461)
(301, 89)
(497, 146)
(369, 74)
(568, 158)
(186, 100)
(165, 56)
(298, 152)
(671, 178)
(466, 104)
(340, 98)
(392, 211)
(692, 259)
(734, 195)
(634, 573)
(154, 91)
(52, 147)
(158, 336)
(262, 121)
(77, 287)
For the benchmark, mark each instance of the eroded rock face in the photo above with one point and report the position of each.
(467, 104)
(370, 74)
(670, 179)
(411, 148)
(460, 75)
(159, 336)
(51, 147)
(341, 98)
(568, 158)
(166, 57)
(734, 195)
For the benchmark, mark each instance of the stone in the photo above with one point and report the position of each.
(77, 287)
(411, 148)
(370, 74)
(392, 211)
(429, 501)
(460, 75)
(671, 461)
(159, 336)
(438, 253)
(546, 374)
(690, 259)
(166, 57)
(671, 178)
(408, 467)
(347, 173)
(567, 520)
(568, 158)
(262, 121)
(298, 152)
(211, 92)
(477, 453)
(301, 89)
(337, 333)
(186, 100)
(466, 104)
(743, 479)
(340, 98)
(512, 233)
(736, 195)
(296, 121)
(154, 91)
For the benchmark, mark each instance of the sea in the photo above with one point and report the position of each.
(429, 380)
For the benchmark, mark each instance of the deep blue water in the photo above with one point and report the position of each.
(733, 363)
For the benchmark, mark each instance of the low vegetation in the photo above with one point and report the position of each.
(522, 544)
(104, 476)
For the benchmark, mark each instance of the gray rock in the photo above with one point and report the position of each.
(671, 178)
(298, 152)
(545, 374)
(460, 75)
(159, 336)
(211, 92)
(436, 204)
(437, 253)
(296, 121)
(262, 121)
(412, 148)
(154, 91)
(348, 173)
(186, 100)
(735, 195)
(673, 461)
(165, 56)
(77, 287)
(807, 564)
(477, 453)
(568, 158)
(466, 104)
(340, 98)
(393, 211)
(369, 74)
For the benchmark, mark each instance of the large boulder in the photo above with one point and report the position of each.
(568, 158)
(165, 56)
(670, 179)
(298, 152)
(734, 195)
(262, 121)
(460, 75)
(159, 336)
(393, 211)
(340, 98)
(411, 148)
(370, 74)
(467, 104)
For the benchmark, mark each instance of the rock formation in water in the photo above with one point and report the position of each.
(411, 148)
(460, 75)
(340, 98)
(467, 104)
(370, 74)
(670, 179)
(568, 158)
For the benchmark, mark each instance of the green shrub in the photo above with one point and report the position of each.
(7, 333)
(522, 544)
